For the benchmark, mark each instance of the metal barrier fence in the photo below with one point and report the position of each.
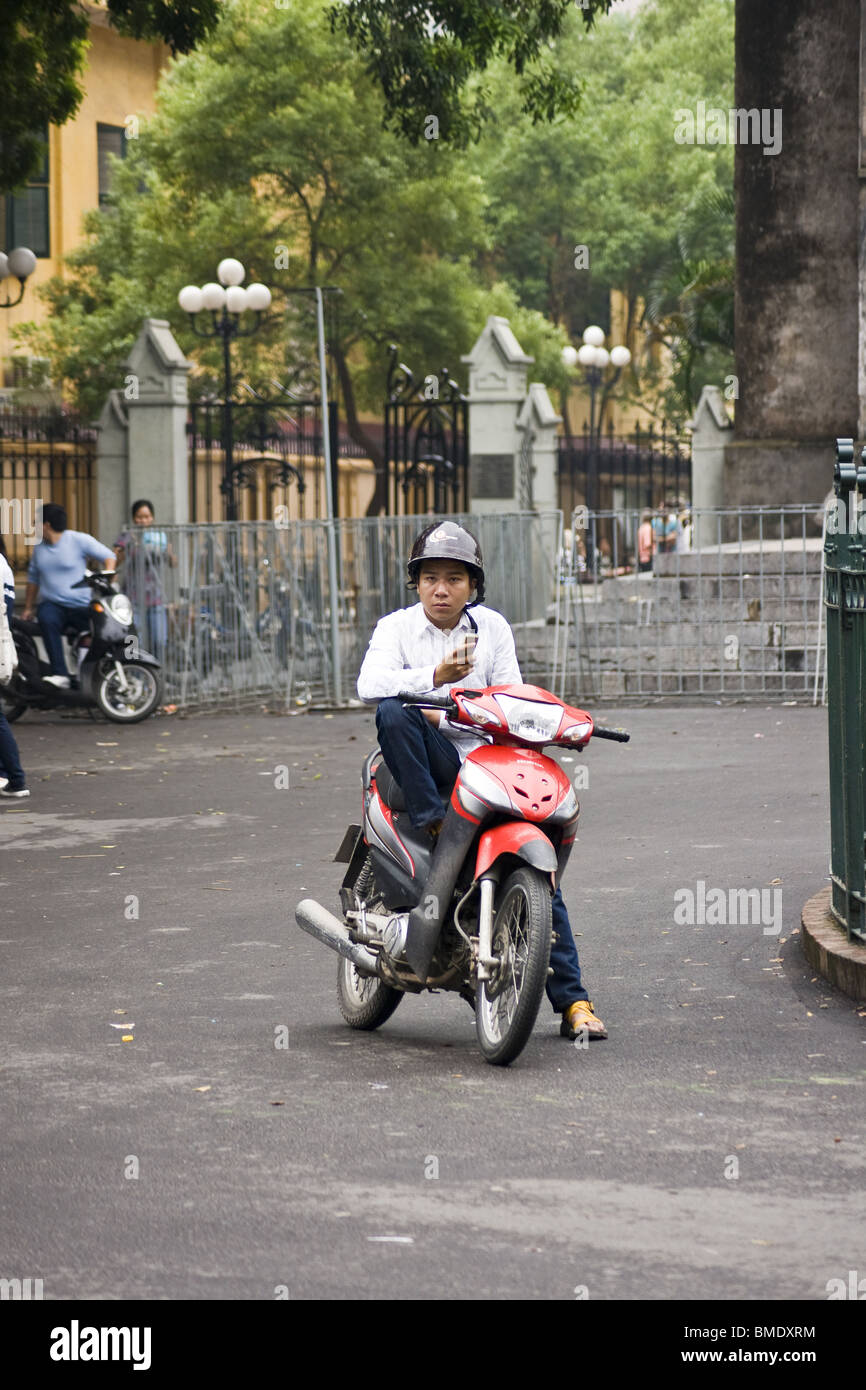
(239, 612)
(845, 598)
(733, 607)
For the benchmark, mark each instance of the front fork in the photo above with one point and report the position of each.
(486, 960)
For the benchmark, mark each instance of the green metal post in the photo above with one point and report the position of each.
(845, 601)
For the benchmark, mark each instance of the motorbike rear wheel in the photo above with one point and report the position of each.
(507, 1005)
(365, 1001)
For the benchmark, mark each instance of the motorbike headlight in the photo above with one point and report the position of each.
(121, 609)
(535, 720)
(577, 732)
(479, 714)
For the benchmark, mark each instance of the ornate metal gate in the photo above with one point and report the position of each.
(426, 453)
(262, 451)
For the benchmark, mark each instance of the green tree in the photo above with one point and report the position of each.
(42, 59)
(268, 144)
(612, 191)
(428, 59)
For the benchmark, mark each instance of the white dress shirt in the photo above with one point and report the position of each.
(406, 648)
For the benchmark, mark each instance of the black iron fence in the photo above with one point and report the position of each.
(648, 469)
(45, 456)
(426, 443)
(275, 459)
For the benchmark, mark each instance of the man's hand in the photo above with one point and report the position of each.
(27, 615)
(453, 668)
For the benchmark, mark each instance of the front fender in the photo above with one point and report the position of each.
(519, 838)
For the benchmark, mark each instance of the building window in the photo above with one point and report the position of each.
(26, 215)
(110, 139)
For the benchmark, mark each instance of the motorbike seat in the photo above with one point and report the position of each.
(28, 625)
(390, 790)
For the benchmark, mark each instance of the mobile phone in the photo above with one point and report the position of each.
(469, 642)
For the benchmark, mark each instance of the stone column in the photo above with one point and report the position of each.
(112, 469)
(155, 392)
(497, 390)
(541, 420)
(796, 299)
(711, 431)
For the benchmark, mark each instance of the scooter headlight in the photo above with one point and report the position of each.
(576, 733)
(120, 608)
(537, 721)
(479, 715)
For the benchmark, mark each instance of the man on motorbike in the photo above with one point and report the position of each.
(430, 647)
(57, 563)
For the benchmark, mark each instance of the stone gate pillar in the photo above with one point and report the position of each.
(497, 390)
(711, 431)
(156, 402)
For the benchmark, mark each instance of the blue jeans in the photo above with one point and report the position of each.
(53, 618)
(10, 762)
(422, 760)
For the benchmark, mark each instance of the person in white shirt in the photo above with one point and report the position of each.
(13, 783)
(429, 647)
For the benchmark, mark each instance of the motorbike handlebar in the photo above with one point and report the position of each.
(618, 735)
(87, 581)
(428, 701)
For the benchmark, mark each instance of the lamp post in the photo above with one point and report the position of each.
(21, 263)
(596, 361)
(226, 302)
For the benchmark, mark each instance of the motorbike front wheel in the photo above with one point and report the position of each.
(365, 1001)
(137, 701)
(507, 1005)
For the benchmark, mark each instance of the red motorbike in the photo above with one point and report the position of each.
(471, 914)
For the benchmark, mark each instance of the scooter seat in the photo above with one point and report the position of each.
(390, 790)
(26, 625)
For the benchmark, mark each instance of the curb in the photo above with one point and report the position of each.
(828, 950)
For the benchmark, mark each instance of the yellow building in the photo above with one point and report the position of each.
(119, 86)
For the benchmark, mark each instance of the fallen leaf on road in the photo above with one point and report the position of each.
(394, 1240)
(121, 1025)
(202, 1088)
(127, 1037)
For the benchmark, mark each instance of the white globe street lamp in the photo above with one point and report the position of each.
(21, 263)
(595, 359)
(232, 298)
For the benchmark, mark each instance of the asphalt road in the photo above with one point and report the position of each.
(712, 1147)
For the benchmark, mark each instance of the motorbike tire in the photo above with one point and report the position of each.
(117, 716)
(506, 1007)
(365, 1001)
(12, 707)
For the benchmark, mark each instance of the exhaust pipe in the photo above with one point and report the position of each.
(317, 921)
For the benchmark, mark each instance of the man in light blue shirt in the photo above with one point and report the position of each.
(56, 564)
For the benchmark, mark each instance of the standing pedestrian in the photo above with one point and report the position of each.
(645, 543)
(13, 783)
(145, 552)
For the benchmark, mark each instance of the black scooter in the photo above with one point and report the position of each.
(106, 666)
